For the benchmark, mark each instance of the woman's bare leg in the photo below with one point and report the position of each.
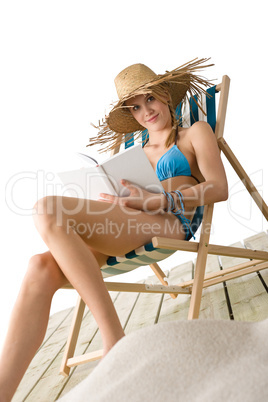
(76, 256)
(79, 264)
(69, 246)
(28, 321)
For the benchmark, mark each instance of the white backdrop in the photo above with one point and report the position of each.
(58, 62)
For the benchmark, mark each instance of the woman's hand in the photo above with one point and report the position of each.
(138, 198)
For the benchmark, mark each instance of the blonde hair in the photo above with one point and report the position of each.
(174, 123)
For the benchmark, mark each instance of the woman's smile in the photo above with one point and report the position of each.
(153, 119)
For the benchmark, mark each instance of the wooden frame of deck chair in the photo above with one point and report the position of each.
(258, 259)
(161, 248)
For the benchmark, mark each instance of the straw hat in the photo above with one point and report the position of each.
(139, 79)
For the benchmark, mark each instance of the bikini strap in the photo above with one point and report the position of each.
(198, 181)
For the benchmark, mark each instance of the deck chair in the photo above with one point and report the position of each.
(160, 248)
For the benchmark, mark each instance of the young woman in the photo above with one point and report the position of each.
(188, 163)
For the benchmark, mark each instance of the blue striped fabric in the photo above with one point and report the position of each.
(194, 116)
(144, 255)
(130, 139)
(192, 113)
(211, 107)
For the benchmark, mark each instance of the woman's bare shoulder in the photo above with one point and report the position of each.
(200, 126)
(197, 127)
(201, 131)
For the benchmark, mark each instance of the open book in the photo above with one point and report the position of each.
(131, 164)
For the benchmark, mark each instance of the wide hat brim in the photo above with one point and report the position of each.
(179, 81)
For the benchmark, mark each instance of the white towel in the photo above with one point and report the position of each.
(200, 361)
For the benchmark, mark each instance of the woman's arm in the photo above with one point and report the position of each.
(213, 189)
(138, 198)
(215, 186)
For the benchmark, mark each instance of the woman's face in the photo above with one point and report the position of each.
(150, 112)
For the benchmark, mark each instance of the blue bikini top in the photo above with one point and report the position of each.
(173, 163)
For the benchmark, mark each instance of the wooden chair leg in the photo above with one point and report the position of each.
(73, 336)
(161, 276)
(201, 264)
(244, 177)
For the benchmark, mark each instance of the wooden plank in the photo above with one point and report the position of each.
(259, 241)
(161, 276)
(51, 380)
(201, 261)
(222, 108)
(47, 388)
(177, 309)
(44, 358)
(235, 273)
(243, 177)
(73, 336)
(248, 298)
(145, 288)
(229, 273)
(54, 323)
(85, 358)
(50, 386)
(213, 302)
(237, 252)
(213, 249)
(146, 309)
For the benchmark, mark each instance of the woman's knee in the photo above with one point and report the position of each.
(54, 212)
(44, 213)
(44, 273)
(48, 214)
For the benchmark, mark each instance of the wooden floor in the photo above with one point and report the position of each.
(242, 299)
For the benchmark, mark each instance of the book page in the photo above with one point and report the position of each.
(134, 166)
(86, 183)
(90, 161)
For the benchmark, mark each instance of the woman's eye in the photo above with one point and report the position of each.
(135, 108)
(150, 99)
